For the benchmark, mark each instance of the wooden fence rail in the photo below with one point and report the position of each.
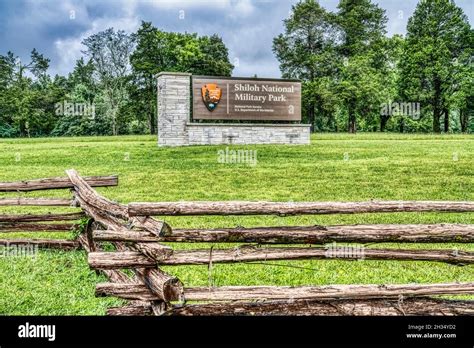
(130, 259)
(434, 233)
(357, 307)
(294, 208)
(55, 183)
(49, 222)
(42, 243)
(138, 240)
(380, 307)
(41, 217)
(41, 202)
(324, 292)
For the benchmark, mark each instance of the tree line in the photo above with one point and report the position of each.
(354, 76)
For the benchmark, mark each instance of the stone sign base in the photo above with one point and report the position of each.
(224, 133)
(174, 128)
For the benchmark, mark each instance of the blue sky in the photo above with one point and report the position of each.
(57, 27)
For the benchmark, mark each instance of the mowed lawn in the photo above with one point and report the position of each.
(335, 167)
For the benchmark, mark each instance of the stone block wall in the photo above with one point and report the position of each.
(216, 133)
(174, 102)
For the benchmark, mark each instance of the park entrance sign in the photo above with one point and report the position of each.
(202, 110)
(246, 99)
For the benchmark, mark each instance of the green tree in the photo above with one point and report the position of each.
(438, 39)
(362, 27)
(23, 86)
(389, 72)
(307, 51)
(158, 51)
(110, 53)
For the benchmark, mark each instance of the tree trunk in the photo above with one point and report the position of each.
(352, 118)
(401, 125)
(436, 123)
(330, 124)
(311, 116)
(152, 122)
(383, 122)
(463, 119)
(436, 107)
(446, 120)
(152, 110)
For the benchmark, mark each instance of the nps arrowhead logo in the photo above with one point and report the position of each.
(211, 95)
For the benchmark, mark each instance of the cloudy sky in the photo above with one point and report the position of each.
(57, 27)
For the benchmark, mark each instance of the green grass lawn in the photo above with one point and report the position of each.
(335, 167)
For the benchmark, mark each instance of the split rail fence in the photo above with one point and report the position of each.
(138, 239)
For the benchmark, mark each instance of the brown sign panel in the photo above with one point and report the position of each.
(217, 98)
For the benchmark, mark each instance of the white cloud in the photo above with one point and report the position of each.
(69, 50)
(237, 7)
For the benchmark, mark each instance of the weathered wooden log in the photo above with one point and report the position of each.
(124, 259)
(156, 306)
(294, 208)
(35, 227)
(161, 284)
(84, 190)
(114, 275)
(154, 251)
(435, 233)
(147, 223)
(248, 253)
(43, 217)
(131, 310)
(114, 224)
(325, 292)
(123, 235)
(373, 307)
(109, 260)
(55, 183)
(126, 291)
(166, 287)
(135, 308)
(43, 243)
(92, 198)
(44, 202)
(322, 292)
